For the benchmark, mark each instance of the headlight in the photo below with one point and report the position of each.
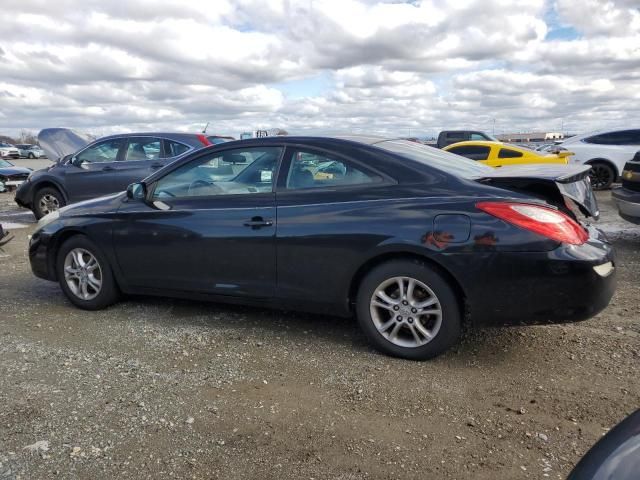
(47, 219)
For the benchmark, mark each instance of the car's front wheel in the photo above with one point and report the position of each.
(31, 155)
(85, 275)
(408, 310)
(47, 200)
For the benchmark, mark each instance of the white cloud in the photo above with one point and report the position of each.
(392, 67)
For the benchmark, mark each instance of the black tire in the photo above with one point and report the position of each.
(108, 293)
(451, 319)
(601, 175)
(31, 155)
(45, 193)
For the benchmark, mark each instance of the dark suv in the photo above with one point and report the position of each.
(85, 169)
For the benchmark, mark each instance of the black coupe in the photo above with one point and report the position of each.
(413, 240)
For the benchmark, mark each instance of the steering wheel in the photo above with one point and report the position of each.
(215, 189)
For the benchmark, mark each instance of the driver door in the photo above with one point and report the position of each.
(92, 172)
(207, 226)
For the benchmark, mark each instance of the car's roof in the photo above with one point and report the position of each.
(150, 134)
(364, 139)
(487, 143)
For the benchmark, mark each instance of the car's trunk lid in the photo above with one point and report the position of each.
(552, 182)
(60, 142)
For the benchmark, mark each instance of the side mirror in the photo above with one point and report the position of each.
(137, 191)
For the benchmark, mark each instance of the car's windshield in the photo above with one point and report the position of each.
(436, 158)
(3, 144)
(4, 163)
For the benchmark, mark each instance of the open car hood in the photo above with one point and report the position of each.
(60, 142)
(547, 181)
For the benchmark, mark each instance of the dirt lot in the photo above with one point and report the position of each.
(153, 388)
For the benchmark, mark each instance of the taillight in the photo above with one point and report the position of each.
(542, 220)
(204, 140)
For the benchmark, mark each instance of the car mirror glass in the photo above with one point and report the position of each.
(137, 191)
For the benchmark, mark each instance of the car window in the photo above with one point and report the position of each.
(174, 149)
(436, 158)
(622, 137)
(4, 163)
(317, 170)
(473, 152)
(106, 151)
(478, 137)
(143, 148)
(508, 153)
(230, 172)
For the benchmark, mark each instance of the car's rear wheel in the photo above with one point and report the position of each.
(47, 200)
(408, 310)
(601, 175)
(85, 275)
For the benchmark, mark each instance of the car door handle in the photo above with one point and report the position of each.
(108, 169)
(258, 222)
(157, 165)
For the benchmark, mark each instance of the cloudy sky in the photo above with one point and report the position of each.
(319, 66)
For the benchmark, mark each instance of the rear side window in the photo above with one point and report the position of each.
(508, 153)
(144, 148)
(622, 137)
(473, 152)
(173, 149)
(436, 158)
(478, 136)
(319, 170)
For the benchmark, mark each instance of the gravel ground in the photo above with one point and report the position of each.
(156, 388)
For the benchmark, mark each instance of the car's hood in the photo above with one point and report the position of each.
(95, 206)
(9, 149)
(60, 142)
(571, 181)
(13, 170)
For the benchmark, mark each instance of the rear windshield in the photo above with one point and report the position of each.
(436, 158)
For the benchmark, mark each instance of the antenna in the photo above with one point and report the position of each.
(204, 130)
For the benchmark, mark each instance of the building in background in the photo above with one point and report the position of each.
(530, 137)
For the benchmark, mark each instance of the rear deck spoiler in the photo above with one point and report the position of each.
(571, 181)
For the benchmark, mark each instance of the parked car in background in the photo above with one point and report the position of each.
(216, 139)
(8, 151)
(607, 151)
(11, 176)
(627, 197)
(447, 137)
(86, 169)
(410, 238)
(498, 154)
(27, 150)
(548, 147)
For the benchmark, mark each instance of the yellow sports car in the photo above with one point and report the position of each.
(497, 154)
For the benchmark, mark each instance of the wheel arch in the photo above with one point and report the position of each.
(49, 183)
(55, 244)
(385, 257)
(606, 161)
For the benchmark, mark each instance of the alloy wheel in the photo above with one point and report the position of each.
(601, 176)
(406, 312)
(48, 203)
(83, 274)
